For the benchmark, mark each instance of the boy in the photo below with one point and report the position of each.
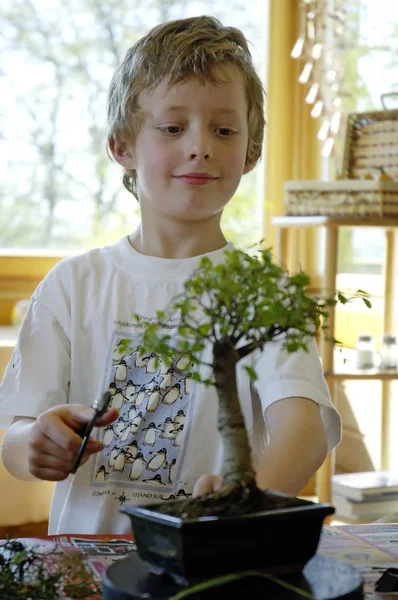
(185, 113)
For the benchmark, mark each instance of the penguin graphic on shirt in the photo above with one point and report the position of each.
(126, 431)
(131, 413)
(171, 467)
(166, 379)
(182, 494)
(165, 366)
(130, 390)
(117, 400)
(112, 456)
(141, 358)
(172, 395)
(108, 434)
(179, 435)
(184, 361)
(120, 461)
(171, 497)
(101, 474)
(121, 371)
(122, 427)
(112, 388)
(156, 479)
(179, 419)
(154, 399)
(157, 460)
(150, 436)
(132, 451)
(139, 396)
(137, 467)
(118, 352)
(136, 423)
(153, 363)
(168, 429)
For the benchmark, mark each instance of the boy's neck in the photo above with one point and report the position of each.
(177, 244)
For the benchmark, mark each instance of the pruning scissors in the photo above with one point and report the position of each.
(100, 406)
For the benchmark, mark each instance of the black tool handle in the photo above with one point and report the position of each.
(100, 408)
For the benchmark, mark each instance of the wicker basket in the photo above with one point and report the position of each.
(342, 198)
(371, 143)
(371, 146)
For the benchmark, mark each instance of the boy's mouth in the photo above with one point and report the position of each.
(196, 178)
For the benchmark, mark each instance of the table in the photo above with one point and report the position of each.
(370, 548)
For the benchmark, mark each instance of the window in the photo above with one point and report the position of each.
(371, 70)
(59, 188)
(371, 61)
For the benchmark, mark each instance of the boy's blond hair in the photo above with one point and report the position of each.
(174, 52)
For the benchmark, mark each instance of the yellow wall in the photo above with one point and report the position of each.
(19, 276)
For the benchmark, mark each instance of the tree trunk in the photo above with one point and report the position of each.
(237, 462)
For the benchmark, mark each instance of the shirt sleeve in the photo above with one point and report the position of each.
(299, 374)
(38, 374)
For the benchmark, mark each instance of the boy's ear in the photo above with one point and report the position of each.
(122, 151)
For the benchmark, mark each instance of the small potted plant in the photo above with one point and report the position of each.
(237, 307)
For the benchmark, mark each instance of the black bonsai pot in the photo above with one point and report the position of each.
(281, 539)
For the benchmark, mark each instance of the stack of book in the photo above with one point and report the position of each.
(365, 496)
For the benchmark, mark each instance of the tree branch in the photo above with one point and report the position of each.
(249, 348)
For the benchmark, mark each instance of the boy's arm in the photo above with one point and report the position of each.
(296, 449)
(15, 448)
(297, 445)
(46, 447)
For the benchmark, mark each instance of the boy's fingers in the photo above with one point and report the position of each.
(218, 482)
(43, 445)
(204, 485)
(49, 474)
(110, 416)
(207, 484)
(57, 431)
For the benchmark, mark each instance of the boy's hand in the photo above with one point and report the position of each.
(54, 440)
(206, 484)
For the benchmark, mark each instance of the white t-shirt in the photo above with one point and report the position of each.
(80, 337)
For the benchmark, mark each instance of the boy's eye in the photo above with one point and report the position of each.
(172, 129)
(225, 131)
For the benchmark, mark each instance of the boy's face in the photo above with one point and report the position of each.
(190, 152)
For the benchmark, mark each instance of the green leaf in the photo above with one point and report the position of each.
(251, 372)
(367, 302)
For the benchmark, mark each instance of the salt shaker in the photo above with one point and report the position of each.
(389, 352)
(365, 352)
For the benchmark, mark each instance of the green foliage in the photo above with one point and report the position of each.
(23, 574)
(16, 563)
(244, 303)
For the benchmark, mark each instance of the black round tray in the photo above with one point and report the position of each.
(326, 579)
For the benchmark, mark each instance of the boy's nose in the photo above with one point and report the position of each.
(200, 147)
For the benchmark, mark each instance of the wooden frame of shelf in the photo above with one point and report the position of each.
(331, 226)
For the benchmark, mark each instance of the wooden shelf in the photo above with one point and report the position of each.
(335, 369)
(368, 374)
(344, 368)
(323, 221)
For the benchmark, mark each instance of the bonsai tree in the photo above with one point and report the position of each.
(237, 307)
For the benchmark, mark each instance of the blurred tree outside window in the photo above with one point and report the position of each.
(59, 188)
